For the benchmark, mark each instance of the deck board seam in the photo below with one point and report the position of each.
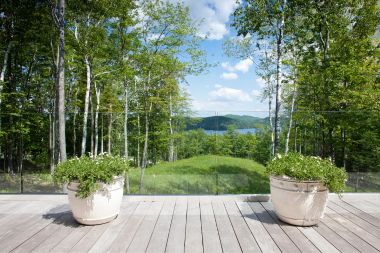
(171, 222)
(363, 227)
(266, 228)
(241, 248)
(285, 231)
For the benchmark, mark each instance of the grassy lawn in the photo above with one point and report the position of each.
(203, 175)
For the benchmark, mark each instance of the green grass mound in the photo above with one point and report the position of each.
(203, 175)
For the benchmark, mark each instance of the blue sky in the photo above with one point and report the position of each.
(232, 86)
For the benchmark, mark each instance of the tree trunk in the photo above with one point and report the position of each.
(74, 120)
(171, 146)
(11, 103)
(279, 80)
(127, 184)
(109, 133)
(145, 151)
(86, 100)
(92, 123)
(304, 142)
(97, 90)
(138, 130)
(61, 83)
(102, 140)
(290, 120)
(125, 118)
(344, 150)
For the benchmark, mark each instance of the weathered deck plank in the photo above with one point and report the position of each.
(193, 240)
(141, 240)
(246, 240)
(127, 233)
(176, 239)
(108, 237)
(357, 230)
(346, 234)
(264, 240)
(294, 234)
(160, 234)
(278, 235)
(225, 229)
(357, 218)
(211, 241)
(188, 224)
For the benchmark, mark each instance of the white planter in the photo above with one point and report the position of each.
(101, 207)
(300, 204)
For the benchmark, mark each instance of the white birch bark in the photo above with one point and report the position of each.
(145, 150)
(138, 128)
(86, 101)
(92, 123)
(125, 118)
(61, 85)
(74, 121)
(171, 146)
(279, 80)
(97, 90)
(291, 114)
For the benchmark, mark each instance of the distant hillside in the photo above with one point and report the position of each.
(222, 122)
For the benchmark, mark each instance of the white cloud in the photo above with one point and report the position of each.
(261, 82)
(227, 94)
(217, 86)
(207, 86)
(215, 15)
(242, 66)
(229, 76)
(255, 93)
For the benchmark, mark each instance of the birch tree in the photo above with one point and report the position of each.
(166, 32)
(266, 17)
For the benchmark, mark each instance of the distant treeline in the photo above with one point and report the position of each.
(222, 122)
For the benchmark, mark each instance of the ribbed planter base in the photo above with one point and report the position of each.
(298, 203)
(101, 207)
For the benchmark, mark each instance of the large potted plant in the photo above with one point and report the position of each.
(300, 186)
(95, 186)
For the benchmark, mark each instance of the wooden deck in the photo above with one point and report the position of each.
(187, 224)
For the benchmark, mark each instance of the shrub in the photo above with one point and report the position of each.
(309, 168)
(88, 171)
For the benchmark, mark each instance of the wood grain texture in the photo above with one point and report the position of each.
(159, 238)
(294, 234)
(45, 233)
(346, 234)
(193, 240)
(355, 209)
(357, 218)
(176, 239)
(211, 240)
(23, 232)
(141, 240)
(264, 240)
(278, 235)
(127, 233)
(354, 228)
(108, 237)
(246, 240)
(225, 229)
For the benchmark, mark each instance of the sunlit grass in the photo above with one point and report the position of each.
(203, 175)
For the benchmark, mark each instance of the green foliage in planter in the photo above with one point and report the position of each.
(88, 170)
(309, 168)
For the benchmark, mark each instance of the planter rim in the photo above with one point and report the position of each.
(290, 179)
(115, 178)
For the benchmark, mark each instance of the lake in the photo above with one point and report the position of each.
(242, 131)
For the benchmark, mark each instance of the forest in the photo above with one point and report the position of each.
(81, 77)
